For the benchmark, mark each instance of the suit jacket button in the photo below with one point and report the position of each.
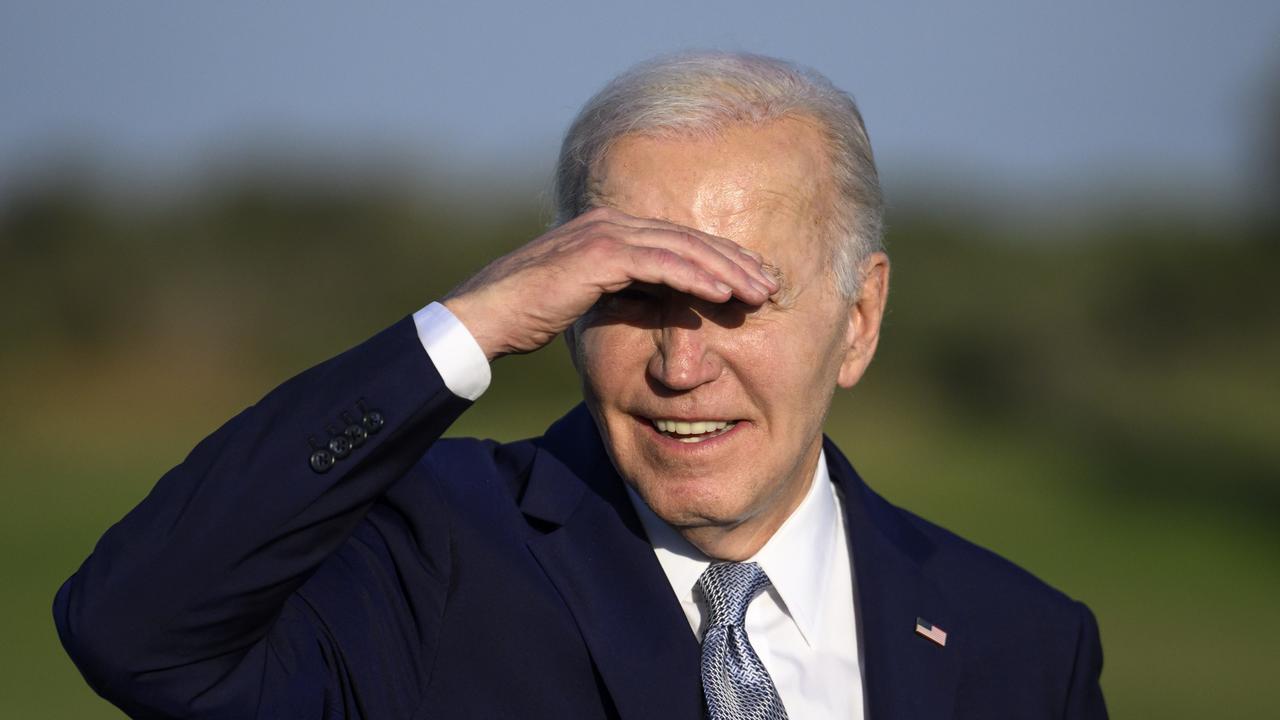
(340, 446)
(372, 421)
(321, 461)
(356, 434)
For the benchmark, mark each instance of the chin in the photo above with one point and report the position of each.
(691, 502)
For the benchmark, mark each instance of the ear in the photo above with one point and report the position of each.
(865, 313)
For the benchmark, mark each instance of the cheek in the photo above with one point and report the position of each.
(609, 356)
(793, 372)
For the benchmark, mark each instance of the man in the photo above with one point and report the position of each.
(685, 542)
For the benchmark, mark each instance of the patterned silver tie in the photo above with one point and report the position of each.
(735, 684)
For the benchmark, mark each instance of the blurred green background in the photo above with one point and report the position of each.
(1079, 367)
(1096, 400)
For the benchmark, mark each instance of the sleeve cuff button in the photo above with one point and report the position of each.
(321, 461)
(340, 446)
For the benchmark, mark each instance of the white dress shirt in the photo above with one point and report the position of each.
(454, 351)
(803, 627)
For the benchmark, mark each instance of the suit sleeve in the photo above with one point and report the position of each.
(170, 614)
(1084, 696)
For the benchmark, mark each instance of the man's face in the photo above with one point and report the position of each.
(752, 384)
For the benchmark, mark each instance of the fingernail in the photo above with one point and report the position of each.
(760, 288)
(723, 288)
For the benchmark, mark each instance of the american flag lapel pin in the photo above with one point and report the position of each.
(931, 631)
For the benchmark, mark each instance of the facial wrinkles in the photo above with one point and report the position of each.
(771, 217)
(775, 367)
(745, 354)
(746, 200)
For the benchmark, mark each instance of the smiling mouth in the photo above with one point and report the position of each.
(693, 431)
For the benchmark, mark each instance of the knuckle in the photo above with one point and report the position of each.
(667, 259)
(598, 249)
(599, 213)
(679, 269)
(602, 241)
(595, 236)
(691, 239)
(595, 228)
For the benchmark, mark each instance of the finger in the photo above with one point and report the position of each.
(660, 266)
(728, 246)
(725, 265)
(750, 260)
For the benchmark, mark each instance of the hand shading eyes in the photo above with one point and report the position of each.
(651, 302)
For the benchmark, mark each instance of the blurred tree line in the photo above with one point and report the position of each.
(1150, 338)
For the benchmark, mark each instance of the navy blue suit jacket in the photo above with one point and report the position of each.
(424, 578)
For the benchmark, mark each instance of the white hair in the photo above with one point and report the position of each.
(701, 95)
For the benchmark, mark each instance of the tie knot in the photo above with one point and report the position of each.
(729, 587)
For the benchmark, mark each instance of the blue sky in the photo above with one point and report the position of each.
(1014, 94)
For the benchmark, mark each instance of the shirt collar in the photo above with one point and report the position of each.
(796, 558)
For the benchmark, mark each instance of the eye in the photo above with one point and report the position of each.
(731, 313)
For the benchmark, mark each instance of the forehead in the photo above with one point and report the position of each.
(764, 187)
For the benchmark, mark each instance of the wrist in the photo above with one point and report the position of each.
(476, 323)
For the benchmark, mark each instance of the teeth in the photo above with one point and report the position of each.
(698, 427)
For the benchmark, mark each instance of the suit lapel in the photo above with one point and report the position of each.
(907, 675)
(597, 555)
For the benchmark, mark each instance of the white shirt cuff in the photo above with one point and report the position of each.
(455, 353)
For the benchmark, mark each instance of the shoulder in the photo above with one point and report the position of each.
(1014, 624)
(1012, 621)
(1025, 642)
(979, 583)
(978, 577)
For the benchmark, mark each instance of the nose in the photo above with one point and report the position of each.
(684, 357)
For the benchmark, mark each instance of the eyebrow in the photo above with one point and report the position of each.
(784, 292)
